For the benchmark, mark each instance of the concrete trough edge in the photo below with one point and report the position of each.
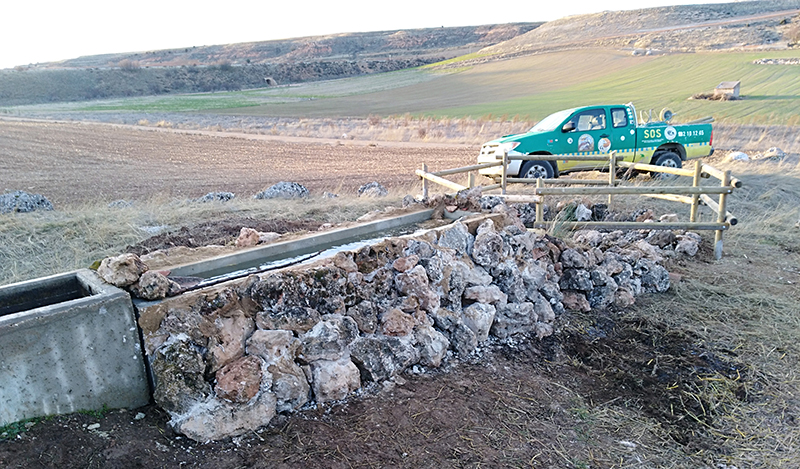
(296, 247)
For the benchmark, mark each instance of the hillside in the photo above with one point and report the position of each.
(665, 29)
(243, 66)
(370, 46)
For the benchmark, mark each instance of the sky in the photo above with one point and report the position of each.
(33, 31)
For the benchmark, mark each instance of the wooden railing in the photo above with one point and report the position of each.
(694, 195)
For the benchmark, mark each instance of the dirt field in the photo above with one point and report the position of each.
(703, 376)
(74, 162)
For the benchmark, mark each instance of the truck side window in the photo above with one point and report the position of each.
(619, 117)
(594, 119)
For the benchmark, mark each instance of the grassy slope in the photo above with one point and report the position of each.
(530, 87)
(772, 92)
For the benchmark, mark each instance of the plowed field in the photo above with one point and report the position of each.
(81, 162)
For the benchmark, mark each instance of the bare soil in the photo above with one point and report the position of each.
(91, 162)
(527, 403)
(219, 233)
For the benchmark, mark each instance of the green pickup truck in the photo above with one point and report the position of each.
(597, 130)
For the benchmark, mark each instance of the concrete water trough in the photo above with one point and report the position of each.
(296, 248)
(68, 342)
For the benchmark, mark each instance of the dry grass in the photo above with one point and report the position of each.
(44, 243)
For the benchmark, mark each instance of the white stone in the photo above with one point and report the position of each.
(334, 380)
(738, 156)
(479, 317)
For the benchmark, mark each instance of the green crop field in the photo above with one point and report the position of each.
(528, 87)
(771, 92)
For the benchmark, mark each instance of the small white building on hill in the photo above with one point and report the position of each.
(729, 88)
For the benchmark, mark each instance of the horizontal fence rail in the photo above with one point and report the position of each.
(694, 195)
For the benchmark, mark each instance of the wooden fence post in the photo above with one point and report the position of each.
(612, 173)
(723, 198)
(505, 174)
(698, 167)
(424, 183)
(539, 205)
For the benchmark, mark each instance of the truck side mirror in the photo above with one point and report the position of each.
(568, 127)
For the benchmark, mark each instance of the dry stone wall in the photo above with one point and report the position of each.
(226, 359)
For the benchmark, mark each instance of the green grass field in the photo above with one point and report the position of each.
(528, 87)
(771, 92)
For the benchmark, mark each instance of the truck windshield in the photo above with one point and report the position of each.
(549, 123)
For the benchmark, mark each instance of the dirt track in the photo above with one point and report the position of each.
(95, 162)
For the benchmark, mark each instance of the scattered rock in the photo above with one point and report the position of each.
(488, 248)
(485, 294)
(240, 380)
(479, 317)
(328, 339)
(737, 156)
(409, 200)
(372, 189)
(283, 190)
(120, 204)
(432, 345)
(217, 197)
(22, 202)
(774, 153)
(397, 323)
(513, 318)
(151, 286)
(688, 244)
(668, 218)
(402, 264)
(329, 195)
(217, 419)
(334, 380)
(582, 213)
(463, 339)
(122, 270)
(380, 357)
(456, 236)
(576, 301)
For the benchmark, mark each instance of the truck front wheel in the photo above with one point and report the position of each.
(537, 169)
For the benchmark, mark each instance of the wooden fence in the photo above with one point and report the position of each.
(694, 195)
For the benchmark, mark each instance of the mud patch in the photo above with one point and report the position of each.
(661, 370)
(218, 233)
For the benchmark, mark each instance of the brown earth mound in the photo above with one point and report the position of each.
(218, 233)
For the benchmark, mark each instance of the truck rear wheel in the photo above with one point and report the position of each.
(666, 159)
(536, 169)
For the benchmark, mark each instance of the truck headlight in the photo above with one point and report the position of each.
(505, 148)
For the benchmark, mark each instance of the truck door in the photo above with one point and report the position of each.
(590, 135)
(622, 133)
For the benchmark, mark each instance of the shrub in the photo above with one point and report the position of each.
(793, 33)
(128, 64)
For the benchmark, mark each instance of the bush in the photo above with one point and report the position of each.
(792, 34)
(129, 65)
